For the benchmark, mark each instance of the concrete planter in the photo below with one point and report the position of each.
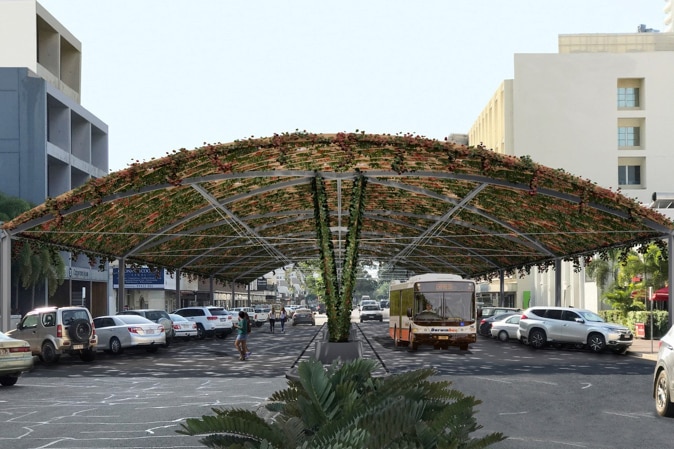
(329, 351)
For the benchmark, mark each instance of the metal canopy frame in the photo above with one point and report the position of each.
(237, 211)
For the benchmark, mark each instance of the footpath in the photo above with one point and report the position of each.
(646, 349)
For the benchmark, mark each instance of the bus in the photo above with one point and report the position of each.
(433, 309)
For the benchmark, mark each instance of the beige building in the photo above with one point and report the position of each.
(601, 109)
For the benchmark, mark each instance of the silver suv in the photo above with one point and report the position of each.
(569, 326)
(52, 331)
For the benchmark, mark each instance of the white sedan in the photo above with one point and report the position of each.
(506, 328)
(15, 358)
(119, 332)
(182, 327)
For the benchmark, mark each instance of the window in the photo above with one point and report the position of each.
(629, 175)
(628, 97)
(629, 136)
(629, 93)
(631, 133)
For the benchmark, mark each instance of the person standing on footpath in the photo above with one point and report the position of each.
(282, 318)
(242, 335)
(272, 320)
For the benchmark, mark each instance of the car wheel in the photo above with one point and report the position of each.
(201, 332)
(596, 342)
(503, 336)
(48, 354)
(80, 330)
(537, 339)
(115, 346)
(663, 402)
(88, 355)
(8, 381)
(381, 320)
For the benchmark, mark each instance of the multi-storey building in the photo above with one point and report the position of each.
(599, 109)
(49, 143)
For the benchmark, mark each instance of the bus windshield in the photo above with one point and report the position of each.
(446, 306)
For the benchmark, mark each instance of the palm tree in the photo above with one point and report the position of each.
(346, 407)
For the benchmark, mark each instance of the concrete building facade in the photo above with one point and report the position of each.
(599, 109)
(49, 143)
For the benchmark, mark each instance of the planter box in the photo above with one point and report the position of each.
(328, 351)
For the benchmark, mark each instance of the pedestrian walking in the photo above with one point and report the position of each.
(272, 320)
(282, 318)
(242, 330)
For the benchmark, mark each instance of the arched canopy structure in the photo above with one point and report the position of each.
(239, 210)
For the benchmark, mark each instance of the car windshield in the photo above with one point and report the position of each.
(370, 307)
(71, 315)
(218, 311)
(591, 316)
(133, 319)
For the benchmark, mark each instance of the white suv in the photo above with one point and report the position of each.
(52, 331)
(579, 327)
(211, 321)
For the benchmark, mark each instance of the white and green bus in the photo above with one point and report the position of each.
(433, 309)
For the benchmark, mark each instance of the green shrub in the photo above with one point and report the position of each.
(343, 406)
(660, 320)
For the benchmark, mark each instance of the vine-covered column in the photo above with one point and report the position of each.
(356, 212)
(326, 253)
(338, 292)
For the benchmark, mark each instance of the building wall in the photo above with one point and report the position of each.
(493, 128)
(49, 143)
(565, 115)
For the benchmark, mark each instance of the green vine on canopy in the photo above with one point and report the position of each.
(338, 292)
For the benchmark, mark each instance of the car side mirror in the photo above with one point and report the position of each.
(409, 312)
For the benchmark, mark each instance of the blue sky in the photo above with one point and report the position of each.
(166, 75)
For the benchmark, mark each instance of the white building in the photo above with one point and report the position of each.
(600, 109)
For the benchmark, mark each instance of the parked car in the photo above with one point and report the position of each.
(210, 321)
(303, 316)
(663, 376)
(569, 326)
(53, 331)
(15, 358)
(505, 326)
(182, 327)
(262, 315)
(251, 314)
(371, 312)
(119, 332)
(158, 316)
(486, 322)
(486, 312)
(225, 324)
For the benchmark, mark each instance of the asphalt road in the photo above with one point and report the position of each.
(539, 399)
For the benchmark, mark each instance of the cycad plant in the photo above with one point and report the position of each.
(344, 406)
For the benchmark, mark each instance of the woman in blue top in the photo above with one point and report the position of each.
(241, 336)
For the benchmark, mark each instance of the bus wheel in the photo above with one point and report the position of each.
(413, 344)
(396, 342)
